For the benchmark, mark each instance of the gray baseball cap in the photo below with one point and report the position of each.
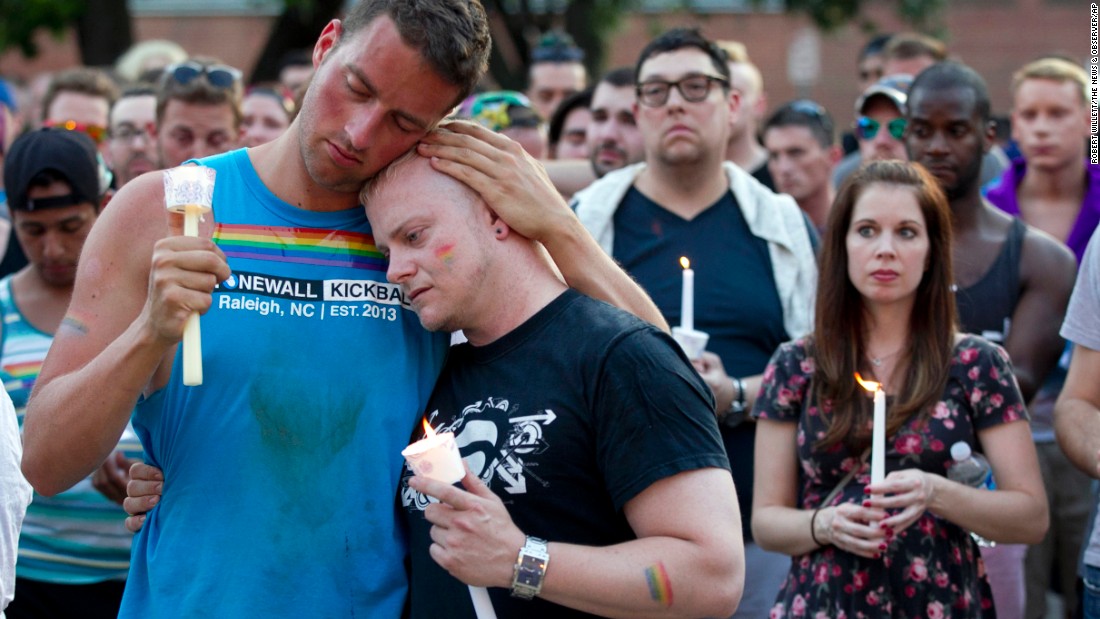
(894, 87)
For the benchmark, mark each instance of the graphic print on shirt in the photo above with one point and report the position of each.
(317, 299)
(496, 446)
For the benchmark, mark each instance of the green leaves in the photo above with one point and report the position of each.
(21, 19)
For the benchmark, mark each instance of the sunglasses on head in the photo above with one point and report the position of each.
(217, 75)
(867, 128)
(96, 132)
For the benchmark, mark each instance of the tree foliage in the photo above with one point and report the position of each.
(517, 24)
(21, 19)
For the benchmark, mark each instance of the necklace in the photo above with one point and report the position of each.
(878, 361)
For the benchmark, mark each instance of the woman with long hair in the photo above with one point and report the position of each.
(885, 310)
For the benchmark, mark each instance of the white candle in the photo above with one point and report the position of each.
(687, 297)
(483, 605)
(878, 438)
(878, 430)
(190, 190)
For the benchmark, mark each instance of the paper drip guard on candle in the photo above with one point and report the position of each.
(435, 456)
(190, 190)
(693, 342)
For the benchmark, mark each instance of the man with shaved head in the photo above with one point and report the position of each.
(551, 380)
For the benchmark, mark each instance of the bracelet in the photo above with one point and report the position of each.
(813, 521)
(737, 404)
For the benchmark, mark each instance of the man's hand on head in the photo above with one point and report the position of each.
(513, 184)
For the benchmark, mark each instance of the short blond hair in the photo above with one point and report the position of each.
(738, 54)
(1056, 69)
(735, 50)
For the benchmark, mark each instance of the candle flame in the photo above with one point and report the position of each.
(684, 262)
(869, 385)
(428, 431)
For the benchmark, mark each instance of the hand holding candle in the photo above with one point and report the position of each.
(436, 457)
(190, 190)
(878, 430)
(693, 342)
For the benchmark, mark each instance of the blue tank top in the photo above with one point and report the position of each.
(281, 469)
(77, 536)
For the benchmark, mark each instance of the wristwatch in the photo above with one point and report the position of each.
(530, 568)
(736, 413)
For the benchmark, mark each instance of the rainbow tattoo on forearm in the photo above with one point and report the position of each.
(660, 586)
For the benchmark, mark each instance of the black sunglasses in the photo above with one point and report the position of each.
(217, 75)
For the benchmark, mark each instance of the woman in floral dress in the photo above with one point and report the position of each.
(899, 548)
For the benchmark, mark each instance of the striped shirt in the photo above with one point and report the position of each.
(77, 536)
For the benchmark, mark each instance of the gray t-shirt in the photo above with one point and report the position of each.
(1082, 328)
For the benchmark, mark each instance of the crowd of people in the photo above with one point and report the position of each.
(397, 244)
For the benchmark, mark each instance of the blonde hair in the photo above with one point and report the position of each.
(1056, 69)
(738, 54)
(161, 52)
(735, 50)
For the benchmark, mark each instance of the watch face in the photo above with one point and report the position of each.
(532, 563)
(528, 579)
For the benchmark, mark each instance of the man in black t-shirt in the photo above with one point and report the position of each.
(597, 481)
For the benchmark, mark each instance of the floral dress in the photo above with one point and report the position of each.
(933, 568)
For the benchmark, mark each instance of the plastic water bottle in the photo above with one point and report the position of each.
(973, 470)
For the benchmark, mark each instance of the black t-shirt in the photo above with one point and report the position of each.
(566, 418)
(736, 300)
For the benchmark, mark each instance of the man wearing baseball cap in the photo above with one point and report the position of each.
(509, 113)
(73, 557)
(879, 126)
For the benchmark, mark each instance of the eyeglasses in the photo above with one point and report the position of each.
(96, 132)
(128, 133)
(693, 88)
(867, 128)
(217, 75)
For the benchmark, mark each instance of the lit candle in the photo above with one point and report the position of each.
(190, 190)
(687, 296)
(435, 456)
(878, 430)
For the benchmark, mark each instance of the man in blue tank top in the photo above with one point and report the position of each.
(282, 466)
(1012, 281)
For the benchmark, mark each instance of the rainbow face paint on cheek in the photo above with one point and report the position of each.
(660, 586)
(446, 253)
